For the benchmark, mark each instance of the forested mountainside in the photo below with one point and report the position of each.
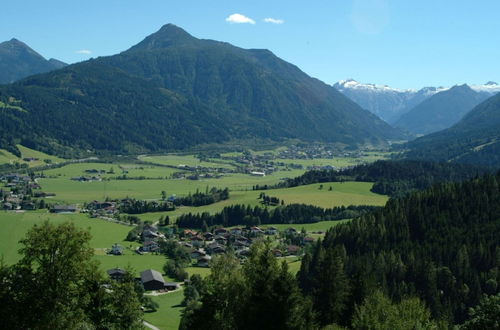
(474, 140)
(440, 244)
(172, 91)
(442, 110)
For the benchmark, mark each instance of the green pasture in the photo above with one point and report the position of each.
(168, 315)
(8, 158)
(178, 160)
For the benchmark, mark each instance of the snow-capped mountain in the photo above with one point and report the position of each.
(390, 103)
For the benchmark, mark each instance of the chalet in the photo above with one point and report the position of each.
(189, 233)
(171, 286)
(186, 245)
(238, 245)
(277, 253)
(256, 230)
(150, 246)
(208, 236)
(236, 231)
(203, 261)
(152, 280)
(116, 250)
(63, 209)
(221, 231)
(196, 241)
(271, 231)
(243, 253)
(290, 230)
(116, 273)
(308, 240)
(292, 249)
(215, 248)
(220, 239)
(195, 254)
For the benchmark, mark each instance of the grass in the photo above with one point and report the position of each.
(311, 227)
(8, 158)
(176, 160)
(168, 315)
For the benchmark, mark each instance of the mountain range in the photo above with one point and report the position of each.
(442, 110)
(391, 103)
(475, 139)
(18, 60)
(173, 91)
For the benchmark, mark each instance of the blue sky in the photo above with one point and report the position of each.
(405, 44)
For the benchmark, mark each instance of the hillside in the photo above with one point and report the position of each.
(18, 60)
(172, 91)
(441, 110)
(440, 244)
(475, 139)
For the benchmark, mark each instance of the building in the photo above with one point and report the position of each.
(116, 249)
(116, 273)
(63, 209)
(152, 280)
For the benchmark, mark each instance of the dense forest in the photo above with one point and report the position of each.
(441, 244)
(393, 178)
(237, 215)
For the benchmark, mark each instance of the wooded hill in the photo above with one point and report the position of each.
(441, 244)
(474, 140)
(172, 91)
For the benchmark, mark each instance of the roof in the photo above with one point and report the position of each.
(114, 271)
(151, 275)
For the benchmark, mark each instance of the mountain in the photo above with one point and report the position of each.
(172, 91)
(18, 60)
(441, 110)
(475, 139)
(386, 102)
(391, 103)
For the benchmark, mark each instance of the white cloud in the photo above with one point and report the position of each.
(239, 19)
(274, 20)
(84, 51)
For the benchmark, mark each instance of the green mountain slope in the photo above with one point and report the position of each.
(475, 139)
(17, 61)
(173, 91)
(441, 110)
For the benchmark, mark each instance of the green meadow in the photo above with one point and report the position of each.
(168, 315)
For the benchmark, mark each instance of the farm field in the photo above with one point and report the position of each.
(168, 315)
(179, 160)
(7, 157)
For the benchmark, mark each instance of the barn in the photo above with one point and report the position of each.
(152, 280)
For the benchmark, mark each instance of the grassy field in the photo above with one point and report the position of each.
(177, 160)
(168, 315)
(9, 158)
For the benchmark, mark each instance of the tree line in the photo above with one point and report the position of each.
(241, 215)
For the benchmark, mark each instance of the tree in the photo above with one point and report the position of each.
(60, 284)
(163, 195)
(378, 312)
(486, 315)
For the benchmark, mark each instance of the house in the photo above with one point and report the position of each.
(171, 286)
(195, 254)
(308, 240)
(189, 233)
(256, 173)
(203, 261)
(236, 231)
(256, 230)
(116, 250)
(150, 246)
(215, 248)
(63, 209)
(208, 236)
(243, 253)
(152, 280)
(290, 230)
(292, 249)
(221, 231)
(220, 239)
(116, 273)
(277, 253)
(271, 231)
(196, 241)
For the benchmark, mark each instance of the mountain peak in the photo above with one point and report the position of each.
(168, 35)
